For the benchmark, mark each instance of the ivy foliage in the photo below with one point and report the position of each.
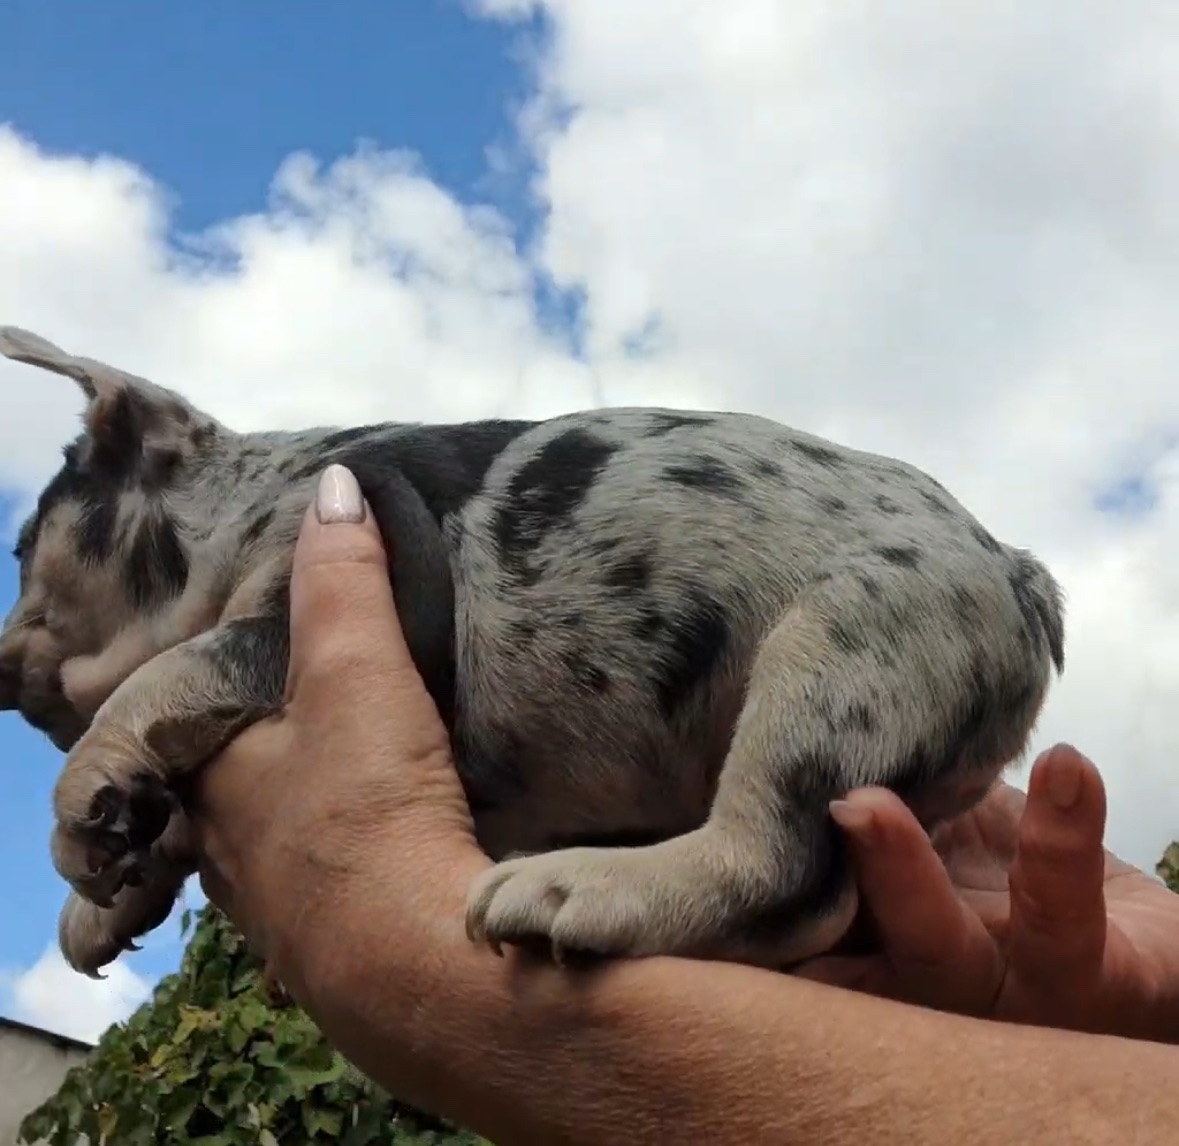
(210, 1062)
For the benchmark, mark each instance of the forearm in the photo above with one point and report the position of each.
(664, 1050)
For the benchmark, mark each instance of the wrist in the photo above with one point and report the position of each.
(336, 930)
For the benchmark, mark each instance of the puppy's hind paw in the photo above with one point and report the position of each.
(580, 902)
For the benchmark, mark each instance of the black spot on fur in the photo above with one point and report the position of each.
(156, 568)
(94, 531)
(695, 641)
(887, 505)
(94, 475)
(820, 455)
(967, 608)
(649, 625)
(767, 468)
(606, 547)
(936, 504)
(631, 575)
(904, 556)
(546, 493)
(985, 539)
(660, 424)
(258, 526)
(870, 586)
(523, 632)
(201, 436)
(814, 859)
(988, 702)
(585, 673)
(69, 484)
(492, 767)
(346, 437)
(828, 503)
(859, 718)
(705, 473)
(117, 446)
(846, 639)
(447, 465)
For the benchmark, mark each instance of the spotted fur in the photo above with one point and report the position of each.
(663, 641)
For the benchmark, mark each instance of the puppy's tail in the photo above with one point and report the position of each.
(1041, 600)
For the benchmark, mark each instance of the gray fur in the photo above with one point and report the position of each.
(684, 632)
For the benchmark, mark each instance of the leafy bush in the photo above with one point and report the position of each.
(209, 1062)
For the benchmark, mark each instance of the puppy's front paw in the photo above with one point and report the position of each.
(110, 809)
(91, 937)
(599, 901)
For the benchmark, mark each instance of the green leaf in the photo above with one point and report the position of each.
(318, 1120)
(208, 1062)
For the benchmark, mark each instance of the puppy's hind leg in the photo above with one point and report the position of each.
(764, 878)
(845, 691)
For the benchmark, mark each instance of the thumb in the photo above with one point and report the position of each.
(346, 635)
(1058, 921)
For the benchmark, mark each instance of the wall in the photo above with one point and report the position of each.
(32, 1066)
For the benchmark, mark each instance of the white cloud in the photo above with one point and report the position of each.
(945, 232)
(51, 995)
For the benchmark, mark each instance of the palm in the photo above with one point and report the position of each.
(1127, 981)
(1139, 971)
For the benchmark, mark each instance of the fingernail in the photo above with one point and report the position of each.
(1064, 785)
(851, 817)
(338, 498)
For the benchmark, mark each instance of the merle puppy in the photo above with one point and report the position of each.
(662, 642)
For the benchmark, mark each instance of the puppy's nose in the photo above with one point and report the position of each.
(9, 685)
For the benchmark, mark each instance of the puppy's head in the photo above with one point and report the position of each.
(104, 552)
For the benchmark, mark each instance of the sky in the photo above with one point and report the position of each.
(946, 233)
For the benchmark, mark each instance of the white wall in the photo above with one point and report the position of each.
(32, 1066)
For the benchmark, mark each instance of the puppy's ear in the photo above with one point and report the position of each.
(135, 427)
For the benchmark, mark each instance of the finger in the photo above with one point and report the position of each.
(1058, 920)
(345, 631)
(939, 950)
(351, 675)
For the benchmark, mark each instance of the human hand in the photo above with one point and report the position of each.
(1013, 911)
(280, 810)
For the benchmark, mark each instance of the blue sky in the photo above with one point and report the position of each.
(209, 98)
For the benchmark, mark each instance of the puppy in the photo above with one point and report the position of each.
(662, 642)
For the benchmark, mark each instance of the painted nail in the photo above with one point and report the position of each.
(851, 817)
(338, 498)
